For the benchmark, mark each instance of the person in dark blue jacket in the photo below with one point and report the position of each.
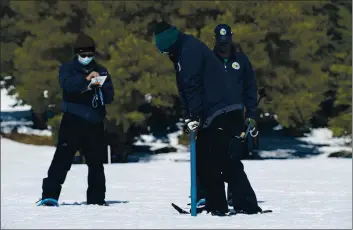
(233, 58)
(81, 126)
(213, 101)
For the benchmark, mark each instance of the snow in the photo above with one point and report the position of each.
(23, 127)
(278, 153)
(37, 132)
(324, 136)
(11, 87)
(303, 193)
(319, 141)
(8, 126)
(148, 97)
(155, 144)
(8, 102)
(45, 93)
(278, 127)
(174, 140)
(10, 114)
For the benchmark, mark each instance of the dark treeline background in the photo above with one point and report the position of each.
(301, 50)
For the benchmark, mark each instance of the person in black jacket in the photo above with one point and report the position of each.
(213, 101)
(233, 57)
(82, 122)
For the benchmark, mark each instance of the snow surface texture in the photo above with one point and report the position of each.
(303, 193)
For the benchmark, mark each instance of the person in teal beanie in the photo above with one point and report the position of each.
(211, 107)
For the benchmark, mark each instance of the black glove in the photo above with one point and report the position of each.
(191, 125)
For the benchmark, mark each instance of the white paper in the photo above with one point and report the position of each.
(100, 79)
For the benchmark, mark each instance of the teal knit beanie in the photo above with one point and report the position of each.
(165, 36)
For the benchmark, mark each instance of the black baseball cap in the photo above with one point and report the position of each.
(223, 33)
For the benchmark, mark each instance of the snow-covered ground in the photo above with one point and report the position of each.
(303, 193)
(319, 141)
(329, 143)
(8, 103)
(8, 108)
(23, 127)
(155, 144)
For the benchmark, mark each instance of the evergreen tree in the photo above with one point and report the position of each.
(300, 50)
(339, 66)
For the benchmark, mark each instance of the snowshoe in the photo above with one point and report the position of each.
(218, 213)
(48, 202)
(201, 202)
(103, 203)
(199, 209)
(250, 212)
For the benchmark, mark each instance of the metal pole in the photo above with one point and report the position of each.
(193, 174)
(109, 155)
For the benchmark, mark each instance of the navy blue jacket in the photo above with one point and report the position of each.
(241, 81)
(76, 99)
(208, 89)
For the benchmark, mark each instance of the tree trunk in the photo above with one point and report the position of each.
(39, 120)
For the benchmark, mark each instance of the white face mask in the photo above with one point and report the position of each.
(85, 60)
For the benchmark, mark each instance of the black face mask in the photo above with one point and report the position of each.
(223, 48)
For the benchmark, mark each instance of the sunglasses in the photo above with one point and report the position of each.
(86, 55)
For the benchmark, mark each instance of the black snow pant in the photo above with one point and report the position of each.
(221, 162)
(77, 133)
(201, 148)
